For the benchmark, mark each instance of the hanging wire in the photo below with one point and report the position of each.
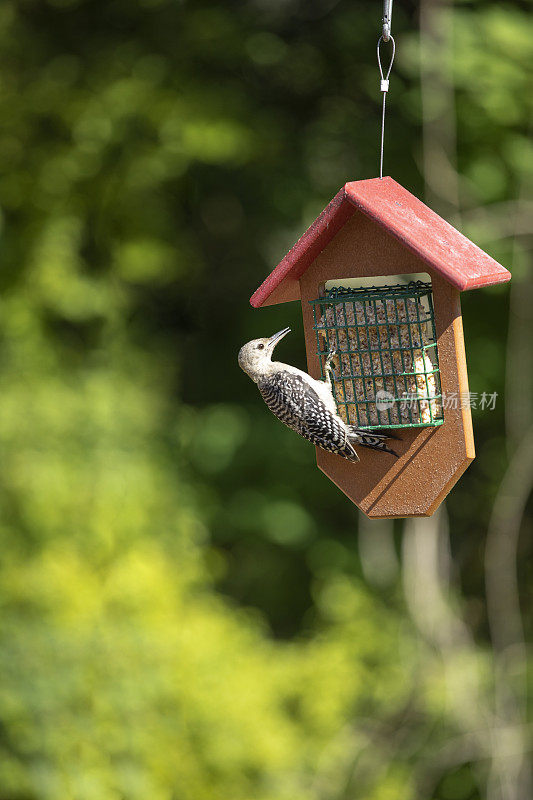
(386, 36)
(384, 90)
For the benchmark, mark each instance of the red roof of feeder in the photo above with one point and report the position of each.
(419, 228)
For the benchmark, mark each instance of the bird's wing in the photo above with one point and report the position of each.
(294, 401)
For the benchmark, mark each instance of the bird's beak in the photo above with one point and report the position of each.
(272, 342)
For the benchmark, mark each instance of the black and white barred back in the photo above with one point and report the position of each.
(295, 402)
(298, 406)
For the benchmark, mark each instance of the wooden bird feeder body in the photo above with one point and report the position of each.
(375, 228)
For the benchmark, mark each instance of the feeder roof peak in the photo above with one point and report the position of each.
(443, 248)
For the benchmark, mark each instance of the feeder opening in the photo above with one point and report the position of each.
(386, 367)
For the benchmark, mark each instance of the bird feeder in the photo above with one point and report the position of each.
(398, 340)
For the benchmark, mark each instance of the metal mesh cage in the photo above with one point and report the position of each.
(385, 368)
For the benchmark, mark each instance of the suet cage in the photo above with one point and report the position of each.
(386, 367)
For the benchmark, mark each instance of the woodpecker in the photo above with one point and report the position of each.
(304, 404)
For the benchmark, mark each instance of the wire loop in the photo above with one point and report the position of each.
(381, 39)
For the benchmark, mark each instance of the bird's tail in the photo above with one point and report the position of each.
(371, 439)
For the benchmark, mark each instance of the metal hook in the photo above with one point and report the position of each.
(387, 20)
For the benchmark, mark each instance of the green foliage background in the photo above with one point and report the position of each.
(190, 610)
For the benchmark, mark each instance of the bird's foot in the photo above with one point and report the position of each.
(331, 355)
(330, 372)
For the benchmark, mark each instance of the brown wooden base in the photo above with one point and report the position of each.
(431, 459)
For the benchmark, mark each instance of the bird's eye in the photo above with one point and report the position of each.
(260, 346)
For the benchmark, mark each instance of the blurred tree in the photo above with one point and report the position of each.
(186, 612)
